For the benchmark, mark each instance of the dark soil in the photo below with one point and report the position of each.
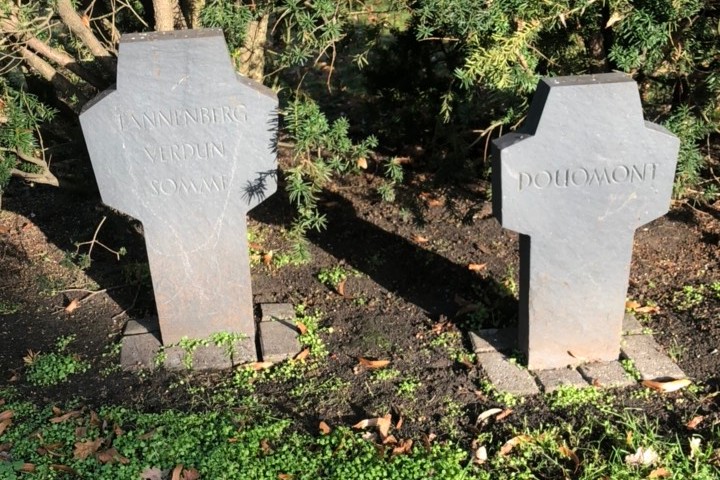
(410, 264)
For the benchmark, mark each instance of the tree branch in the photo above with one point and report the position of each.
(164, 15)
(46, 177)
(73, 21)
(49, 73)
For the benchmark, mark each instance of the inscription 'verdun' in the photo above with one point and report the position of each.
(184, 152)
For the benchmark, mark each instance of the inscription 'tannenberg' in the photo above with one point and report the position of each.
(586, 177)
(182, 117)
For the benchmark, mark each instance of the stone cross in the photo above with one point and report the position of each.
(584, 172)
(187, 147)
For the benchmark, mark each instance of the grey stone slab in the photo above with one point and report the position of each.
(551, 380)
(505, 376)
(631, 325)
(493, 339)
(606, 374)
(576, 181)
(278, 340)
(276, 311)
(139, 345)
(649, 359)
(208, 357)
(187, 147)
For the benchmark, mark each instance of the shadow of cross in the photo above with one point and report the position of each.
(187, 147)
(583, 173)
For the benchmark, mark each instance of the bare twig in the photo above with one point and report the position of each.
(49, 73)
(96, 241)
(73, 21)
(132, 305)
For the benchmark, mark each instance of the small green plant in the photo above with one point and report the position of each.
(384, 374)
(394, 173)
(407, 387)
(8, 308)
(569, 397)
(689, 297)
(630, 368)
(45, 369)
(332, 277)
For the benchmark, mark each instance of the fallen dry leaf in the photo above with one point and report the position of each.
(384, 425)
(111, 455)
(27, 468)
(487, 414)
(642, 457)
(151, 473)
(85, 449)
(648, 309)
(694, 422)
(6, 415)
(566, 452)
(434, 202)
(477, 267)
(399, 423)
(661, 472)
(362, 163)
(257, 366)
(65, 417)
(340, 287)
(267, 258)
(512, 443)
(4, 424)
(301, 328)
(420, 239)
(390, 440)
(324, 428)
(480, 455)
(181, 473)
(30, 358)
(148, 435)
(631, 305)
(373, 364)
(63, 468)
(265, 447)
(285, 476)
(302, 355)
(669, 386)
(505, 413)
(614, 18)
(403, 447)
(72, 306)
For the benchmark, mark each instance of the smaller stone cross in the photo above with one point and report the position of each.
(187, 147)
(584, 172)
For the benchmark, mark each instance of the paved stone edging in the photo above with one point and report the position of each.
(507, 376)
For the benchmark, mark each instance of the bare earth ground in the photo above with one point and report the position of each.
(409, 263)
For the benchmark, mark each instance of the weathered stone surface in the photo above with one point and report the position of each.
(493, 339)
(139, 345)
(208, 357)
(583, 173)
(506, 376)
(187, 147)
(606, 374)
(278, 332)
(649, 359)
(631, 326)
(276, 311)
(551, 380)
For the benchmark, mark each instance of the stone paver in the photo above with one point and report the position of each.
(140, 343)
(631, 325)
(551, 380)
(606, 374)
(506, 376)
(648, 358)
(493, 339)
(278, 333)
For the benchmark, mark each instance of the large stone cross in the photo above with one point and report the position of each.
(583, 173)
(187, 147)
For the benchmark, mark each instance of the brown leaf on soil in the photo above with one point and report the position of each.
(285, 476)
(362, 163)
(94, 419)
(63, 468)
(373, 364)
(30, 358)
(614, 18)
(661, 472)
(267, 258)
(324, 428)
(301, 328)
(631, 305)
(85, 449)
(56, 411)
(504, 414)
(566, 452)
(669, 386)
(420, 239)
(265, 447)
(257, 366)
(648, 309)
(512, 443)
(191, 474)
(477, 267)
(4, 424)
(340, 287)
(403, 447)
(694, 422)
(427, 440)
(111, 455)
(384, 425)
(176, 472)
(151, 473)
(487, 414)
(80, 432)
(27, 468)
(399, 423)
(480, 455)
(302, 355)
(390, 440)
(65, 417)
(119, 432)
(72, 306)
(6, 415)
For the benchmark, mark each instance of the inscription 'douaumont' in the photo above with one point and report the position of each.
(587, 177)
(185, 151)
